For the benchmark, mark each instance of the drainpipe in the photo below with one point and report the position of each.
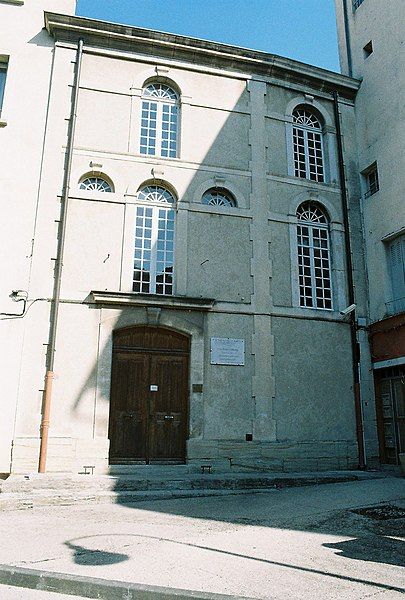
(47, 400)
(350, 285)
(347, 39)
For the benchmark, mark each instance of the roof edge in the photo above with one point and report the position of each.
(114, 36)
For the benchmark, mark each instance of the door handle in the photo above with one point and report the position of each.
(169, 417)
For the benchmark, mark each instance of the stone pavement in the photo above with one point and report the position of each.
(294, 543)
(154, 482)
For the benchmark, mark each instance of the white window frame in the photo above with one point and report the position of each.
(155, 207)
(397, 303)
(99, 180)
(161, 103)
(311, 225)
(317, 131)
(3, 72)
(218, 197)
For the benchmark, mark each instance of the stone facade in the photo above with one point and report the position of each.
(371, 42)
(290, 407)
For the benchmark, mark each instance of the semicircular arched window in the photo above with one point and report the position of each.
(95, 184)
(314, 264)
(307, 145)
(155, 193)
(154, 241)
(159, 121)
(218, 197)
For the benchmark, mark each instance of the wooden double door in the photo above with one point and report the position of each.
(149, 396)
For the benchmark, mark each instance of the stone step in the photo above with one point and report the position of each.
(18, 492)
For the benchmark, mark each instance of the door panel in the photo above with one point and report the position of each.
(168, 414)
(147, 425)
(128, 414)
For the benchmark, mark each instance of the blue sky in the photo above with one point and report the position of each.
(301, 29)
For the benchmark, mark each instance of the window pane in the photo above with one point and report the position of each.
(148, 128)
(154, 246)
(3, 73)
(313, 258)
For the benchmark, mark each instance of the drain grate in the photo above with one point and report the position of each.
(383, 512)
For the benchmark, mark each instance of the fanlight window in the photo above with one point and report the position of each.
(155, 193)
(218, 197)
(95, 184)
(314, 269)
(307, 145)
(159, 121)
(154, 241)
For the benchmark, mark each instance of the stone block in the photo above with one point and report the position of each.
(200, 449)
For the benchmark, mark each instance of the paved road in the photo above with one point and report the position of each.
(295, 544)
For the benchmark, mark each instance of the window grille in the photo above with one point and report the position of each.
(154, 241)
(218, 197)
(307, 145)
(372, 181)
(314, 271)
(95, 184)
(159, 121)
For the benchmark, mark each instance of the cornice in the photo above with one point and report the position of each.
(147, 300)
(157, 44)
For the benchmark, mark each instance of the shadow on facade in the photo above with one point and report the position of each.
(228, 280)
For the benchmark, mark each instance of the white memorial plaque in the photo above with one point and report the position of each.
(227, 351)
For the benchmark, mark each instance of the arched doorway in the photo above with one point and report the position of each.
(149, 396)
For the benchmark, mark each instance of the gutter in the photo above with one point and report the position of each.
(47, 399)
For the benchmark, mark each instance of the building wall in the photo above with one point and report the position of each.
(380, 125)
(235, 133)
(22, 126)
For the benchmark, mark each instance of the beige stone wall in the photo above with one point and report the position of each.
(22, 124)
(234, 134)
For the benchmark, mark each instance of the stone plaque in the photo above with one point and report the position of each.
(227, 351)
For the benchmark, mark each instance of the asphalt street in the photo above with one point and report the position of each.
(296, 543)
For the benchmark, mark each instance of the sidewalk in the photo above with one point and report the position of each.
(154, 483)
(298, 543)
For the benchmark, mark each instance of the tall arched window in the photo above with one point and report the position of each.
(314, 269)
(307, 145)
(154, 241)
(159, 121)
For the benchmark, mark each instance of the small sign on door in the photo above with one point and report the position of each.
(153, 388)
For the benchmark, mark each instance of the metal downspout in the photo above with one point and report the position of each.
(347, 39)
(350, 285)
(47, 398)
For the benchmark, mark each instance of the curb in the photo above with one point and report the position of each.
(102, 589)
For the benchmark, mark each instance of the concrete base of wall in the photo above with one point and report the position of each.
(67, 455)
(274, 456)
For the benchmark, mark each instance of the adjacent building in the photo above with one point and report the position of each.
(371, 45)
(181, 230)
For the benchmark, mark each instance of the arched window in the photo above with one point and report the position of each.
(218, 197)
(95, 184)
(307, 145)
(154, 241)
(314, 269)
(159, 121)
